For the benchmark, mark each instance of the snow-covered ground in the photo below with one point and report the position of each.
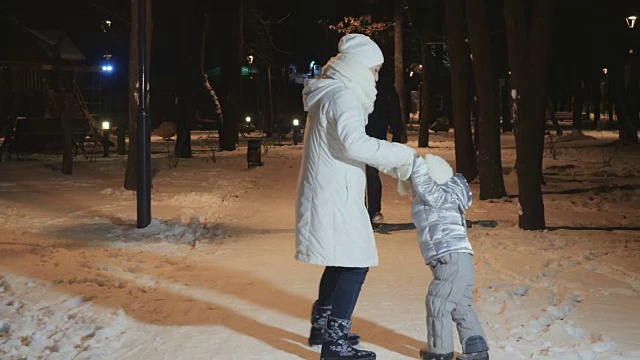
(213, 276)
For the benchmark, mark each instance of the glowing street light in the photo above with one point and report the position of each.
(631, 21)
(106, 25)
(248, 119)
(605, 71)
(106, 126)
(107, 65)
(296, 131)
(250, 59)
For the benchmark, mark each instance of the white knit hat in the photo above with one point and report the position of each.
(362, 48)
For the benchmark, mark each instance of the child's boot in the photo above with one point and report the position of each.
(474, 348)
(337, 347)
(426, 355)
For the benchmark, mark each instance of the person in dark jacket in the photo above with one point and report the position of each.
(386, 114)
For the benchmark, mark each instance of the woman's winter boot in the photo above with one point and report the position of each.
(337, 347)
(317, 336)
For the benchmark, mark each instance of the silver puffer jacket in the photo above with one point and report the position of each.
(439, 208)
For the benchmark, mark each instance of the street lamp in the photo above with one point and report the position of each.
(296, 131)
(106, 25)
(106, 126)
(631, 21)
(247, 119)
(107, 65)
(250, 59)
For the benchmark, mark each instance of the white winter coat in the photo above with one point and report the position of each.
(332, 224)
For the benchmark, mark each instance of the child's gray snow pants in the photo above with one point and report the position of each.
(450, 298)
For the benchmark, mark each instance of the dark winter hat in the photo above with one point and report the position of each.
(362, 48)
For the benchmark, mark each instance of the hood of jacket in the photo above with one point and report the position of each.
(315, 89)
(442, 173)
(462, 191)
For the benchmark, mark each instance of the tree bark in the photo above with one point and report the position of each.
(465, 151)
(489, 157)
(528, 47)
(209, 103)
(597, 100)
(552, 115)
(399, 66)
(268, 124)
(628, 95)
(131, 172)
(190, 34)
(232, 78)
(578, 102)
(63, 107)
(427, 93)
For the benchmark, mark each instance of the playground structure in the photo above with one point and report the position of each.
(34, 114)
(46, 95)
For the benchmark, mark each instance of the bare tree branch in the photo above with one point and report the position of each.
(111, 12)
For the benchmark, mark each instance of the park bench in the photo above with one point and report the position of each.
(33, 135)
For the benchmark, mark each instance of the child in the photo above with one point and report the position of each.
(440, 200)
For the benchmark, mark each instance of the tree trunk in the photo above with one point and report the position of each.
(427, 94)
(190, 33)
(63, 108)
(578, 102)
(209, 104)
(399, 66)
(597, 100)
(489, 157)
(552, 115)
(131, 172)
(268, 124)
(528, 48)
(629, 97)
(232, 78)
(465, 152)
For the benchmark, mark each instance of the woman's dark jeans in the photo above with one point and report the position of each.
(340, 288)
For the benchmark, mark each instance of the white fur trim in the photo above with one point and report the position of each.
(439, 169)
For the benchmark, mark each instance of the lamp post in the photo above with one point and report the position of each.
(631, 21)
(106, 126)
(296, 131)
(143, 188)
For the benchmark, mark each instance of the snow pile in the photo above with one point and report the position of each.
(205, 206)
(60, 327)
(175, 231)
(121, 193)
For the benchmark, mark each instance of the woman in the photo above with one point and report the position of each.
(332, 222)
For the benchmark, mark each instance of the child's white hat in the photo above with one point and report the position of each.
(437, 167)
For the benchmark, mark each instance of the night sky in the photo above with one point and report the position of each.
(585, 30)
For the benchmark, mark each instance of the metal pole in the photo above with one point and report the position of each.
(143, 193)
(105, 142)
